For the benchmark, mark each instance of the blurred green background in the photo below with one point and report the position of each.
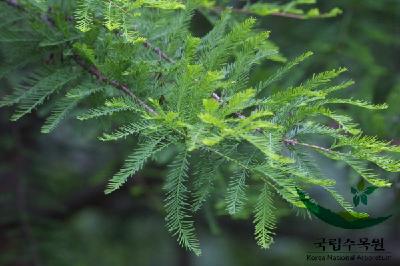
(53, 210)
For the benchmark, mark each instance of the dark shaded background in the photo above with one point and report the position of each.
(53, 210)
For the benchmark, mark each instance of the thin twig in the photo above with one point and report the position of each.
(158, 51)
(101, 77)
(294, 142)
(287, 15)
(219, 9)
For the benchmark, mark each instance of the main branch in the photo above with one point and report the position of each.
(101, 77)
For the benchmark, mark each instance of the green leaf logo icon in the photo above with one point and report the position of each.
(361, 193)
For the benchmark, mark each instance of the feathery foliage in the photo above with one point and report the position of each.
(264, 218)
(135, 161)
(177, 206)
(235, 196)
(193, 95)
